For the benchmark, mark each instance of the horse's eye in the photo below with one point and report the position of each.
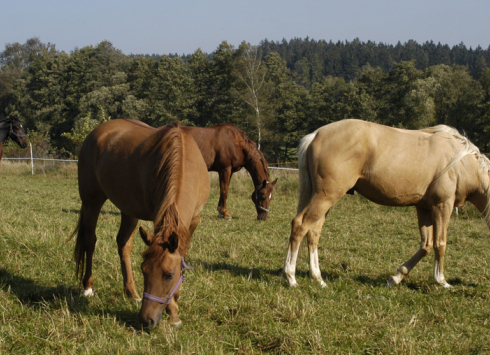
(168, 276)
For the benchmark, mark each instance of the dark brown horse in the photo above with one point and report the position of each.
(10, 127)
(151, 174)
(226, 149)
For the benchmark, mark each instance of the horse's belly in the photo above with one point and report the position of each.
(390, 194)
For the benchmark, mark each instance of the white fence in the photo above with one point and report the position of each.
(31, 159)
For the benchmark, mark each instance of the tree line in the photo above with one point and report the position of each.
(276, 91)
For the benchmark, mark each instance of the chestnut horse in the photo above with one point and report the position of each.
(433, 169)
(12, 128)
(226, 149)
(151, 174)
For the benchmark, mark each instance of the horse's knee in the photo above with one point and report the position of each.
(425, 250)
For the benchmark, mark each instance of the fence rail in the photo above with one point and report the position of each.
(32, 159)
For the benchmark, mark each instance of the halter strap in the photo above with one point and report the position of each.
(257, 198)
(167, 299)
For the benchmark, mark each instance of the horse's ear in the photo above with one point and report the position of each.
(274, 183)
(173, 243)
(146, 236)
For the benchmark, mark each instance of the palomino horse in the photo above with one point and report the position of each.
(433, 169)
(226, 149)
(156, 175)
(11, 127)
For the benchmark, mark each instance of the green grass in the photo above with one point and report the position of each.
(235, 301)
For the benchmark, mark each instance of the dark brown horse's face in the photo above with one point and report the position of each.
(162, 272)
(17, 133)
(262, 197)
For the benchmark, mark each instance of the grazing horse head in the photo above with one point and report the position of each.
(262, 197)
(163, 271)
(12, 128)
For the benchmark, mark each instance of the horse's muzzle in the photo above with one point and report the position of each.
(261, 216)
(151, 321)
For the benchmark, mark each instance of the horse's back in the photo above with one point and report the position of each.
(220, 145)
(385, 164)
(120, 160)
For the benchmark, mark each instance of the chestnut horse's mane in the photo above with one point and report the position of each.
(254, 155)
(169, 175)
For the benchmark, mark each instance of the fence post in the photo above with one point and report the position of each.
(32, 160)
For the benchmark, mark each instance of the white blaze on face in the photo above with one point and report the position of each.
(270, 196)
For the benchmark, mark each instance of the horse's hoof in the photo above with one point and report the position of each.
(446, 285)
(390, 282)
(88, 293)
(175, 325)
(226, 217)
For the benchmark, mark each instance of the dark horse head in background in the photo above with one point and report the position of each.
(11, 127)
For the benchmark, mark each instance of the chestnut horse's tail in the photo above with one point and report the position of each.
(305, 188)
(79, 254)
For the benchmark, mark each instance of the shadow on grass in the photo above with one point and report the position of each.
(236, 270)
(257, 272)
(415, 285)
(35, 295)
(28, 291)
(379, 281)
(101, 212)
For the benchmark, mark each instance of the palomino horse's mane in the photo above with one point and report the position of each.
(169, 174)
(254, 155)
(468, 149)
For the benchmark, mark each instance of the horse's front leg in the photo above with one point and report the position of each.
(441, 215)
(173, 311)
(224, 183)
(426, 242)
(125, 245)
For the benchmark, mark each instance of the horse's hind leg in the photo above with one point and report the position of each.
(426, 235)
(313, 236)
(125, 245)
(308, 221)
(86, 241)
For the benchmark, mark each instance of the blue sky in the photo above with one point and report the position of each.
(183, 26)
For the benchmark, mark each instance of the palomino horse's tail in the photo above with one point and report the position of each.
(305, 188)
(79, 254)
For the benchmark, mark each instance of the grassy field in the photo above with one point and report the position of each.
(235, 301)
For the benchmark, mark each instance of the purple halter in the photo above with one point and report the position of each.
(167, 299)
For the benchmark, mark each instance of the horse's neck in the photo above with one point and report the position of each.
(4, 131)
(257, 169)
